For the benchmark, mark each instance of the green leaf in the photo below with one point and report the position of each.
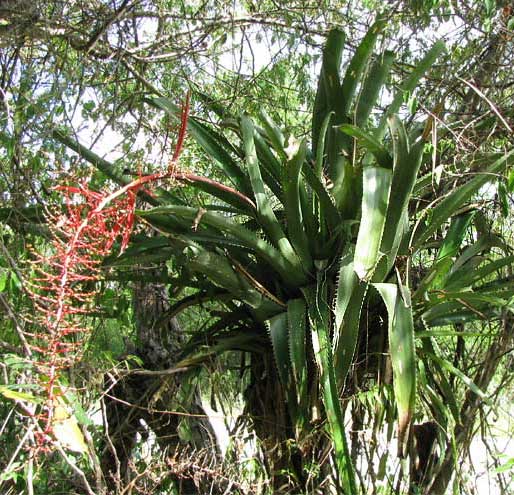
(289, 273)
(109, 169)
(446, 365)
(271, 168)
(449, 247)
(370, 143)
(318, 311)
(376, 185)
(342, 170)
(510, 179)
(407, 161)
(463, 306)
(287, 333)
(371, 87)
(490, 7)
(217, 190)
(350, 294)
(442, 412)
(9, 393)
(292, 206)
(330, 100)
(484, 243)
(265, 213)
(279, 338)
(274, 134)
(358, 64)
(455, 235)
(465, 278)
(297, 393)
(112, 170)
(297, 319)
(458, 197)
(348, 334)
(4, 275)
(245, 340)
(347, 281)
(12, 473)
(320, 152)
(403, 356)
(425, 334)
(409, 85)
(328, 210)
(507, 466)
(503, 198)
(328, 94)
(80, 414)
(439, 378)
(15, 282)
(219, 269)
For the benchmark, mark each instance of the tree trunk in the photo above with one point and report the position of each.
(266, 406)
(139, 404)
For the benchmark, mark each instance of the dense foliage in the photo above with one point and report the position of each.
(328, 265)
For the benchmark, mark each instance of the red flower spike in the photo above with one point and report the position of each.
(182, 132)
(83, 234)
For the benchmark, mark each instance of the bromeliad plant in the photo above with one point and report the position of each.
(310, 245)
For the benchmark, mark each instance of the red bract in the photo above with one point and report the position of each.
(64, 289)
(82, 236)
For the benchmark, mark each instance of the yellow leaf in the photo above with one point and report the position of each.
(66, 430)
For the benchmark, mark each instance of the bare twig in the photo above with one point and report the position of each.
(76, 470)
(17, 451)
(489, 102)
(17, 326)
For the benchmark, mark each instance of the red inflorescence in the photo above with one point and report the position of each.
(82, 236)
(63, 290)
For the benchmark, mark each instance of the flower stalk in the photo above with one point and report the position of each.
(63, 290)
